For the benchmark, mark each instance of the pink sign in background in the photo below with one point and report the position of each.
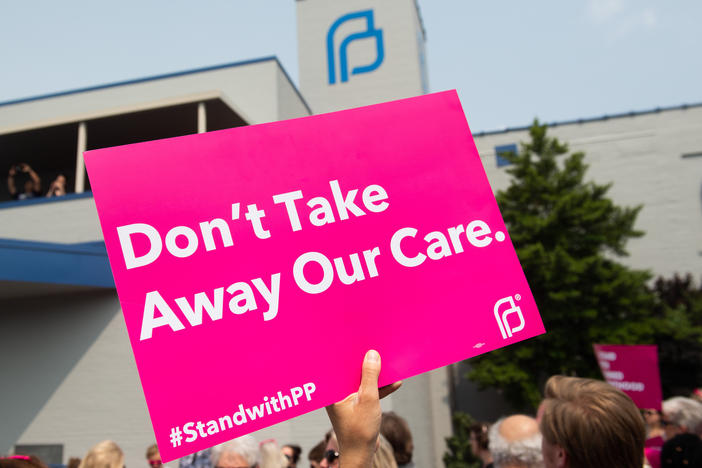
(634, 370)
(253, 318)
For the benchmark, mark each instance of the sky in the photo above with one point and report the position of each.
(511, 61)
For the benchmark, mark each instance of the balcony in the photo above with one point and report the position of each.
(54, 244)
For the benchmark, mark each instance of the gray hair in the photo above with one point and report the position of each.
(683, 411)
(246, 446)
(526, 452)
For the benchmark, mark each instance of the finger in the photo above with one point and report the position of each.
(389, 389)
(369, 375)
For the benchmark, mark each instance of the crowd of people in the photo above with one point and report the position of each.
(247, 452)
(588, 423)
(581, 423)
(31, 183)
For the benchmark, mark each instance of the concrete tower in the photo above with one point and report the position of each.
(359, 52)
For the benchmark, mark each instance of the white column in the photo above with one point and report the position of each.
(201, 118)
(80, 164)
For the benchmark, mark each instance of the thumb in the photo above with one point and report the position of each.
(369, 375)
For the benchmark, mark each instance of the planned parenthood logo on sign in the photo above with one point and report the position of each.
(501, 313)
(343, 43)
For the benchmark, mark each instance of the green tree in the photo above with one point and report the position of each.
(459, 454)
(568, 235)
(679, 333)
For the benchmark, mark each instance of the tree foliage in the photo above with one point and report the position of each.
(459, 454)
(568, 235)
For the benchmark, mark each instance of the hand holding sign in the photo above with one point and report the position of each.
(356, 419)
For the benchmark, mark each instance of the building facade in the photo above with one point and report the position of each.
(70, 377)
(653, 159)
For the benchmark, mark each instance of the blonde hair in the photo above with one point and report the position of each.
(151, 451)
(272, 456)
(595, 423)
(384, 457)
(105, 454)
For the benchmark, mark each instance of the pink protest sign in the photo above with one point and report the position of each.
(634, 370)
(256, 266)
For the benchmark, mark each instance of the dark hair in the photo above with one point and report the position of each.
(21, 461)
(317, 452)
(328, 435)
(480, 432)
(682, 450)
(396, 430)
(297, 450)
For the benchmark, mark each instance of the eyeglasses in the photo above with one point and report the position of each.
(331, 456)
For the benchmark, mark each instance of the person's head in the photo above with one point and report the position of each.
(384, 456)
(331, 452)
(61, 179)
(153, 456)
(515, 442)
(587, 423)
(652, 417)
(292, 453)
(681, 416)
(271, 455)
(478, 434)
(105, 454)
(21, 461)
(241, 452)
(396, 430)
(316, 454)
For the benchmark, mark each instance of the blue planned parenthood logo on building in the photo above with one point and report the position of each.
(370, 32)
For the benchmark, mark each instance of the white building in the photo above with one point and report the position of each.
(653, 158)
(69, 378)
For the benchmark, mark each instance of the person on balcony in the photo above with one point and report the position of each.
(57, 187)
(32, 186)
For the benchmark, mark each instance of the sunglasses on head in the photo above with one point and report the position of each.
(331, 456)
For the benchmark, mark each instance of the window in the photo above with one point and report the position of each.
(501, 150)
